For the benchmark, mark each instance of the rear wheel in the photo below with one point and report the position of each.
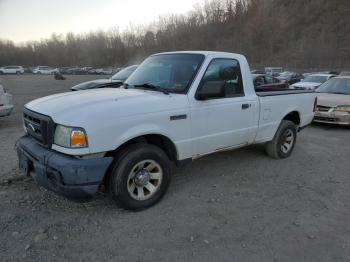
(140, 176)
(284, 140)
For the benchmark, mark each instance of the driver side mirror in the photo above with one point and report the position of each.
(210, 90)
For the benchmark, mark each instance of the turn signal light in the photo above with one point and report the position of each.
(78, 139)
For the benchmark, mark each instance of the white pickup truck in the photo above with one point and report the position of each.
(176, 106)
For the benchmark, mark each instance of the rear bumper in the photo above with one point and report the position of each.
(338, 118)
(65, 175)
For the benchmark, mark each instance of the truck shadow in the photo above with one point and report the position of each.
(326, 126)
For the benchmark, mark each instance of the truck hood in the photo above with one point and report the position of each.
(75, 108)
(309, 85)
(332, 100)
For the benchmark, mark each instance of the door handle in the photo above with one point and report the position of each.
(246, 106)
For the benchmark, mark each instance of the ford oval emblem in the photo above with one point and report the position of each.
(31, 127)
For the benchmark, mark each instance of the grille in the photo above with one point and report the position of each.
(38, 126)
(323, 108)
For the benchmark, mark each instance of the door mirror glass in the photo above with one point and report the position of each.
(211, 89)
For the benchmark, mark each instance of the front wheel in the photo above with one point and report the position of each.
(140, 176)
(283, 142)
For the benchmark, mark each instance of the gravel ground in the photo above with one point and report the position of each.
(234, 206)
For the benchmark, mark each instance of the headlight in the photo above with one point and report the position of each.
(70, 137)
(342, 109)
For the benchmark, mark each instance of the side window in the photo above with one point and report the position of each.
(258, 81)
(275, 80)
(269, 80)
(224, 74)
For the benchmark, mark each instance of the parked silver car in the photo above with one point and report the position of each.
(6, 103)
(334, 101)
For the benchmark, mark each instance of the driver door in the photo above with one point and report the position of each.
(227, 121)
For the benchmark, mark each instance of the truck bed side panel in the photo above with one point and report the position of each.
(273, 109)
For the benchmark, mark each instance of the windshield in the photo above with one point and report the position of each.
(315, 79)
(124, 73)
(335, 85)
(172, 72)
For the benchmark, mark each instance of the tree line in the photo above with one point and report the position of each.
(293, 34)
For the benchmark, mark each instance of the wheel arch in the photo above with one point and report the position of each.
(293, 116)
(159, 140)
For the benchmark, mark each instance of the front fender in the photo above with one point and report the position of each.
(141, 130)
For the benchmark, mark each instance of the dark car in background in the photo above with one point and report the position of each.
(265, 83)
(76, 71)
(115, 81)
(64, 70)
(290, 77)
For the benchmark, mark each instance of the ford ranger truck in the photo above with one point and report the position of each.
(175, 107)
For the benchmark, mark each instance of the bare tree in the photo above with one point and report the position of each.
(296, 34)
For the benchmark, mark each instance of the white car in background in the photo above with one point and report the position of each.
(104, 71)
(273, 71)
(11, 70)
(6, 103)
(313, 81)
(44, 70)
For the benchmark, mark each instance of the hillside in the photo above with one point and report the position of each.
(293, 34)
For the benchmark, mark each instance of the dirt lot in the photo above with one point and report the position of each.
(233, 206)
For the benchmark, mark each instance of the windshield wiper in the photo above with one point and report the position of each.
(153, 87)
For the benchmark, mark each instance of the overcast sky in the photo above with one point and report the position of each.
(23, 20)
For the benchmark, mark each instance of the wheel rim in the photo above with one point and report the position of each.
(144, 179)
(288, 141)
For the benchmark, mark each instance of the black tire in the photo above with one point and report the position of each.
(18, 72)
(275, 148)
(1, 73)
(125, 161)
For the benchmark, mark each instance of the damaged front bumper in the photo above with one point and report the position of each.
(333, 117)
(65, 175)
